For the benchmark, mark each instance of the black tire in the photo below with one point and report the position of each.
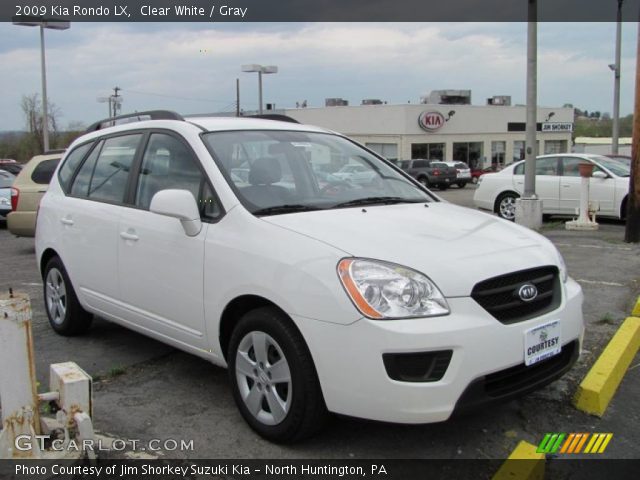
(505, 205)
(66, 315)
(462, 184)
(306, 413)
(424, 181)
(474, 180)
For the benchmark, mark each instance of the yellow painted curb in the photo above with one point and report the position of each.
(599, 385)
(524, 463)
(636, 309)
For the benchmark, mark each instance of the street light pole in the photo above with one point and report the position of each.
(43, 23)
(616, 84)
(260, 89)
(260, 69)
(528, 209)
(45, 109)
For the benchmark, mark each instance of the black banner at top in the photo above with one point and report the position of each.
(316, 10)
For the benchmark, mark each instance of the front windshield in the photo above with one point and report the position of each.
(275, 171)
(615, 166)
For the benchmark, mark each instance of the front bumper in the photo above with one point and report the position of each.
(354, 381)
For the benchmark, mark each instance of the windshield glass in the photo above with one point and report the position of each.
(275, 172)
(615, 166)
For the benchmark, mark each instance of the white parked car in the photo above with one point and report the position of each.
(6, 181)
(318, 297)
(558, 185)
(463, 173)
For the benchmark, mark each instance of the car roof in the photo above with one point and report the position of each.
(212, 124)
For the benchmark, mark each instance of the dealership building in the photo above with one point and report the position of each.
(479, 135)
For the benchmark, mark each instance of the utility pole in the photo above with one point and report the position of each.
(116, 100)
(528, 209)
(616, 85)
(632, 230)
(45, 108)
(237, 97)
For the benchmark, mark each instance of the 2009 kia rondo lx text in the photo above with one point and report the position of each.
(231, 239)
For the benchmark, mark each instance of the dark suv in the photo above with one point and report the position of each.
(430, 173)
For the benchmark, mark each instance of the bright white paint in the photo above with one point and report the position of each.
(175, 287)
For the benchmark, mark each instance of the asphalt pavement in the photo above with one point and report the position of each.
(144, 389)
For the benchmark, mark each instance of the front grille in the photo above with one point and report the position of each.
(417, 367)
(517, 381)
(499, 295)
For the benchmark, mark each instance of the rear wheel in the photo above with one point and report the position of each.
(506, 205)
(424, 181)
(274, 381)
(66, 315)
(462, 184)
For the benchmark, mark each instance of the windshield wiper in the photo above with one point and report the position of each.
(281, 209)
(377, 200)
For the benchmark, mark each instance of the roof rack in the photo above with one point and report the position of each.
(134, 117)
(275, 116)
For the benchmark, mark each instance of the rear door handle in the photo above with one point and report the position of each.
(66, 221)
(129, 236)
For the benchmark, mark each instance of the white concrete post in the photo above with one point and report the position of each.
(18, 389)
(583, 222)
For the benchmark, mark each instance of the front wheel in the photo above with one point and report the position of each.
(506, 206)
(273, 377)
(66, 315)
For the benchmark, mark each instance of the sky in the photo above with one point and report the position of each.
(192, 67)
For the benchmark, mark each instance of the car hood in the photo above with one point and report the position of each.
(454, 246)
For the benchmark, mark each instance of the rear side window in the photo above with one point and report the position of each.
(109, 179)
(420, 164)
(71, 164)
(104, 174)
(44, 171)
(80, 187)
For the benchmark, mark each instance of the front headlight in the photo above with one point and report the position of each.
(382, 290)
(564, 274)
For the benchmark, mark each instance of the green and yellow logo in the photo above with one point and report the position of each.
(574, 443)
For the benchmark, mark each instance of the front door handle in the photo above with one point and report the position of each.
(129, 236)
(66, 221)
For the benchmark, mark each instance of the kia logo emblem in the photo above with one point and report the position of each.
(431, 121)
(527, 292)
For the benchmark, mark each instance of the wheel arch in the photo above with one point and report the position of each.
(234, 311)
(47, 255)
(496, 202)
(623, 207)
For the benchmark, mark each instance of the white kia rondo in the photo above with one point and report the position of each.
(230, 238)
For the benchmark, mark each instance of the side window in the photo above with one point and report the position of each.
(547, 166)
(519, 169)
(570, 167)
(71, 164)
(420, 164)
(44, 171)
(111, 172)
(169, 164)
(80, 187)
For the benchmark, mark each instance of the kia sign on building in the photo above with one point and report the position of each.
(431, 121)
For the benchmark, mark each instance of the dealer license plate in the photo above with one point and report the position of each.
(541, 342)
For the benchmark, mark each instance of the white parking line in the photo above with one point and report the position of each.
(599, 282)
(603, 247)
(31, 284)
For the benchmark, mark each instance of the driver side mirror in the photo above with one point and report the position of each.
(178, 204)
(599, 174)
